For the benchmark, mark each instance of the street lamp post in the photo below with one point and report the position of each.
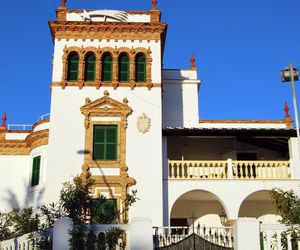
(291, 74)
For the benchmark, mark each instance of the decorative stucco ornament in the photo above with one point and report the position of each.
(114, 14)
(143, 123)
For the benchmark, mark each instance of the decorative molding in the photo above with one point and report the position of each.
(24, 147)
(100, 84)
(115, 53)
(143, 123)
(107, 107)
(109, 30)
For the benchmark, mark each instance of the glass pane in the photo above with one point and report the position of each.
(123, 77)
(111, 152)
(98, 152)
(106, 77)
(99, 134)
(111, 134)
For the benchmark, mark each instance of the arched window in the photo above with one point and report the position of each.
(107, 68)
(124, 68)
(140, 68)
(73, 63)
(90, 67)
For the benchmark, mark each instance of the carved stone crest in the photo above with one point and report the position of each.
(143, 123)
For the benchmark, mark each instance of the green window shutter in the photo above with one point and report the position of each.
(35, 177)
(90, 68)
(107, 68)
(140, 68)
(73, 63)
(124, 68)
(105, 142)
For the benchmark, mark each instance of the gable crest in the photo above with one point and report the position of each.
(105, 107)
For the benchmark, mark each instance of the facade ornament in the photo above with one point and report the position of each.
(143, 123)
(193, 66)
(63, 3)
(106, 93)
(3, 125)
(288, 119)
(154, 3)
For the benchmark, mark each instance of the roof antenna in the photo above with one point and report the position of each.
(192, 60)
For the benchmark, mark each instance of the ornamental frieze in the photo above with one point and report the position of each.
(123, 31)
(24, 147)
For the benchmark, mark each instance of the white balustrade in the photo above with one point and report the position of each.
(279, 237)
(261, 169)
(188, 169)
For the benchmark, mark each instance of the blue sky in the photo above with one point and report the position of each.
(240, 47)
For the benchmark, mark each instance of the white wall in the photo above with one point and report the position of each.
(14, 175)
(180, 98)
(143, 151)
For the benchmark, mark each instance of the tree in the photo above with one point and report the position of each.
(287, 204)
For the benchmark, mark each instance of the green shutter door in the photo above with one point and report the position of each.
(35, 178)
(105, 143)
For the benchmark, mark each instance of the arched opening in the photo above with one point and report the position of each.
(140, 68)
(107, 63)
(73, 63)
(90, 67)
(198, 206)
(259, 205)
(123, 68)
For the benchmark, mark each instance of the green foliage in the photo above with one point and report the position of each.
(288, 206)
(91, 241)
(51, 213)
(112, 236)
(77, 239)
(5, 226)
(24, 221)
(76, 199)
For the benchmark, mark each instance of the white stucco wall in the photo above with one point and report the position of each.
(67, 138)
(180, 98)
(224, 190)
(14, 174)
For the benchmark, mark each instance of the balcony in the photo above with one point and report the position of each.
(229, 169)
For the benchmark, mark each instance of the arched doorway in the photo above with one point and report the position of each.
(259, 205)
(197, 206)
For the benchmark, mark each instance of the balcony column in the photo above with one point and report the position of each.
(294, 158)
(229, 169)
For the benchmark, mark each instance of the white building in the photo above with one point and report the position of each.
(117, 115)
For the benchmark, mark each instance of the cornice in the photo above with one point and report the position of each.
(102, 84)
(24, 147)
(107, 30)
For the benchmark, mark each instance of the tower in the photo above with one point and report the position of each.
(106, 115)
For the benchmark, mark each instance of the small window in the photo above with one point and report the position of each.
(140, 68)
(104, 211)
(124, 68)
(73, 62)
(90, 68)
(35, 177)
(107, 68)
(105, 142)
